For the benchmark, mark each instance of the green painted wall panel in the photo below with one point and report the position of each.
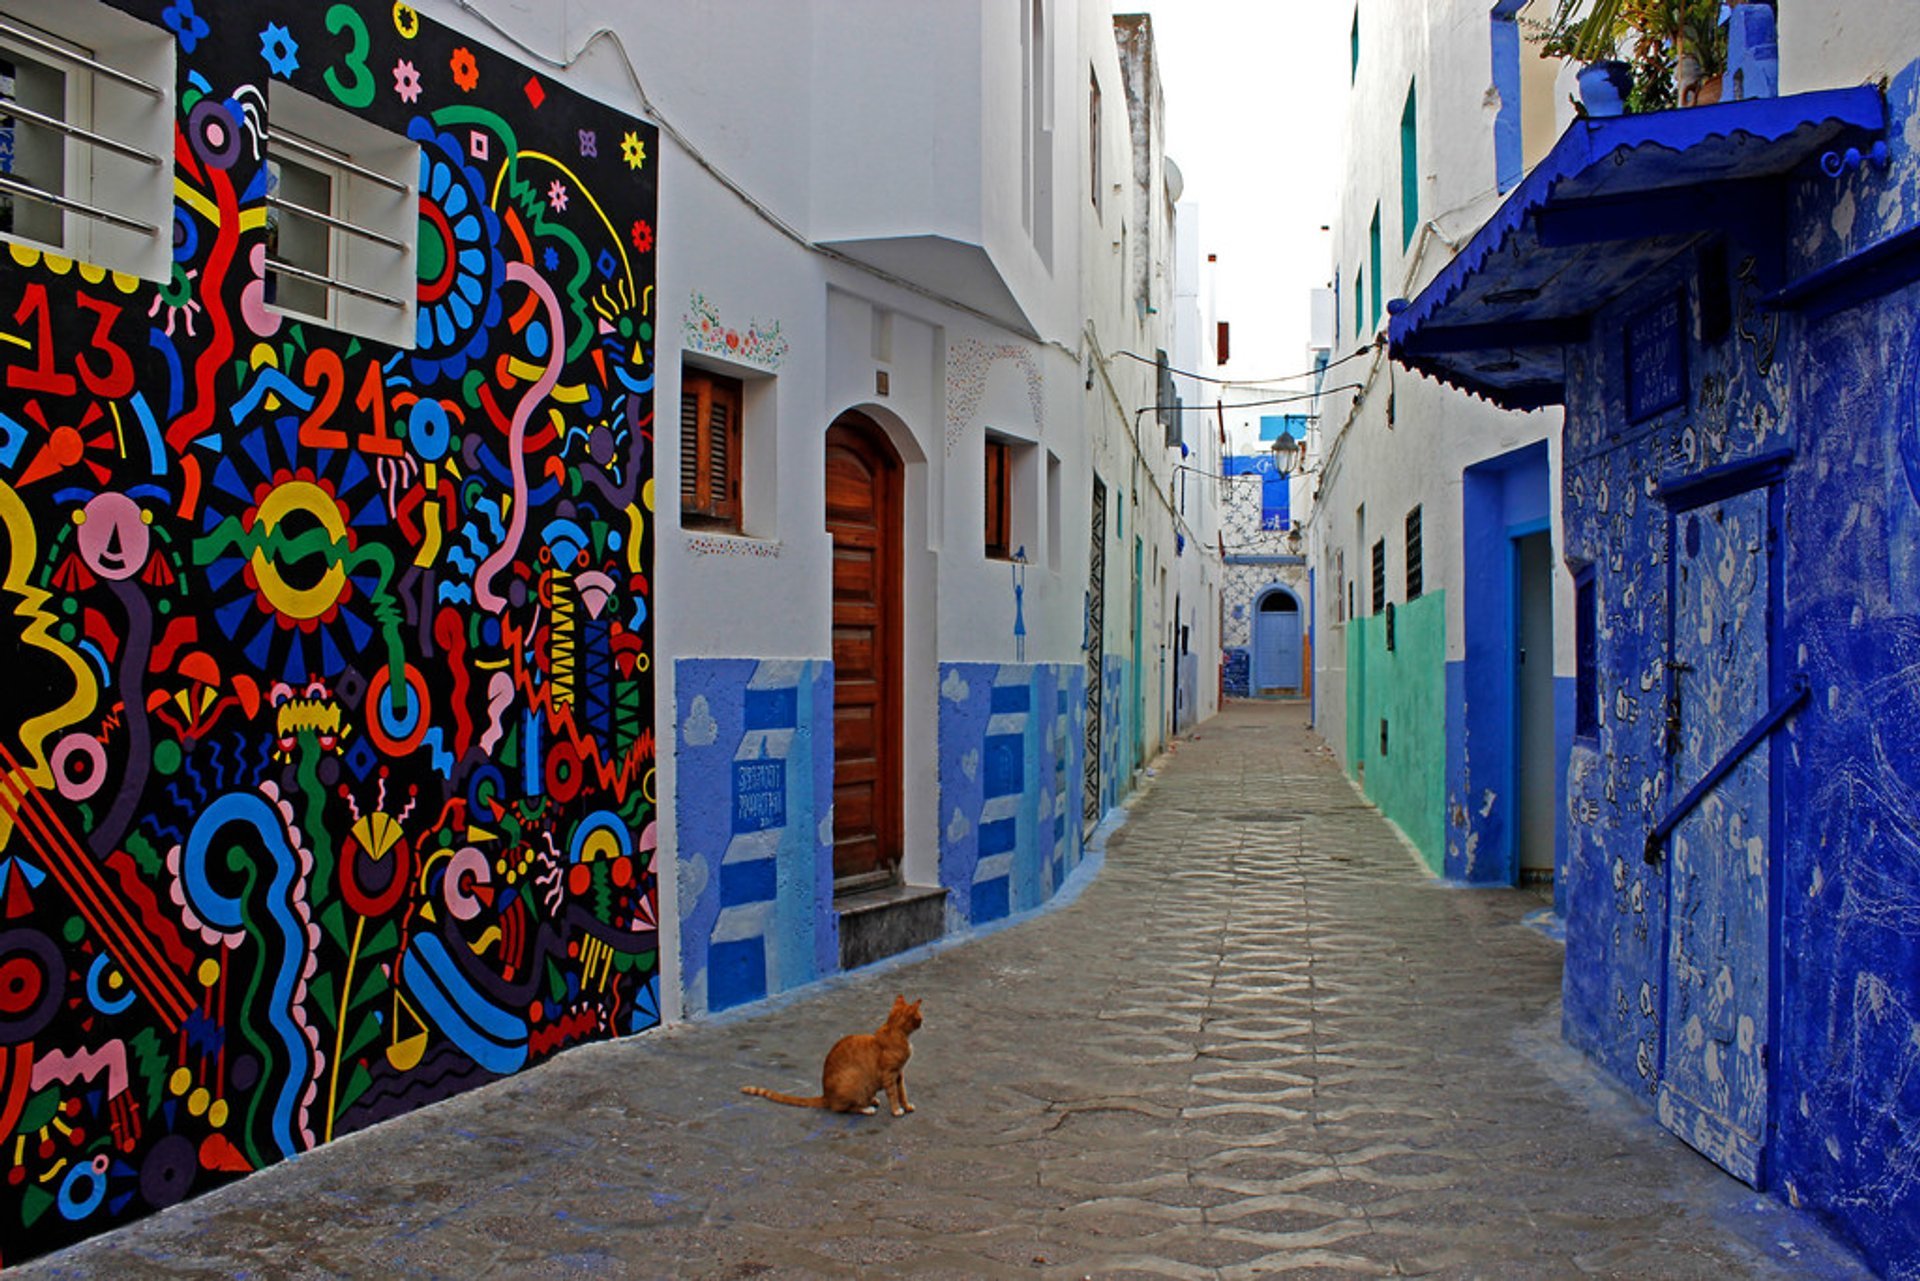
(1407, 687)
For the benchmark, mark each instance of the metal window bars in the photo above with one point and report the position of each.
(315, 151)
(331, 282)
(53, 48)
(16, 187)
(328, 156)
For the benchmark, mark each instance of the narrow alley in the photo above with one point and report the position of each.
(1261, 1040)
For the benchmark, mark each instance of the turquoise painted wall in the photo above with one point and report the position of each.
(1407, 687)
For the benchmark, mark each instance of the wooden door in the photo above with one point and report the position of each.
(863, 516)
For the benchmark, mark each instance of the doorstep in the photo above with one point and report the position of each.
(878, 923)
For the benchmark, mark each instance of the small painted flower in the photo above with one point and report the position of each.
(551, 258)
(557, 196)
(466, 72)
(406, 81)
(589, 144)
(278, 47)
(643, 236)
(406, 22)
(633, 150)
(181, 19)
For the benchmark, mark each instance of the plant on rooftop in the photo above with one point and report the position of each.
(1677, 48)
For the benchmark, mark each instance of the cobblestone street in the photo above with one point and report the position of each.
(1261, 1041)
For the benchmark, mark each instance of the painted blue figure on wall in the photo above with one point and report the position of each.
(1019, 605)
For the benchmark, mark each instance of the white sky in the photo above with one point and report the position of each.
(1255, 90)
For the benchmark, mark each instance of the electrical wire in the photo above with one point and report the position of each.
(1248, 404)
(1254, 382)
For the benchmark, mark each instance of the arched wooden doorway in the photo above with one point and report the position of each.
(863, 484)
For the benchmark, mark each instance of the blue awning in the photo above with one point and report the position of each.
(1614, 200)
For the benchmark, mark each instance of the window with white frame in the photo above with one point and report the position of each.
(86, 134)
(342, 219)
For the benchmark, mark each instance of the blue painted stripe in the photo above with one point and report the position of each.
(772, 708)
(998, 837)
(990, 900)
(736, 973)
(754, 882)
(1005, 764)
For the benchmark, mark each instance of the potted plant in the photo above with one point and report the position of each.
(1678, 51)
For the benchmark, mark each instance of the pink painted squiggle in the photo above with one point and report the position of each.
(483, 593)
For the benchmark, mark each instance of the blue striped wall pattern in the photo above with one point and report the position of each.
(755, 828)
(1012, 752)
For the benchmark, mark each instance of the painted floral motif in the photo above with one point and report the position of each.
(758, 345)
(466, 72)
(406, 21)
(277, 46)
(643, 236)
(633, 151)
(406, 80)
(589, 144)
(557, 196)
(461, 270)
(181, 19)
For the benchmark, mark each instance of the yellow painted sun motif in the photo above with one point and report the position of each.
(634, 150)
(406, 21)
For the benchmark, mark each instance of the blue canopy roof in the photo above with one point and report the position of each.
(1612, 202)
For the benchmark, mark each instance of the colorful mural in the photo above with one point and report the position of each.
(326, 764)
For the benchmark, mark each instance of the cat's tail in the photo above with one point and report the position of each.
(817, 1101)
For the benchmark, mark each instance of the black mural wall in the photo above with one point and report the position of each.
(326, 750)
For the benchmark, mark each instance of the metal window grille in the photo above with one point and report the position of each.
(1379, 575)
(1415, 576)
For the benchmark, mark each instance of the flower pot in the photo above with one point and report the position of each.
(1604, 87)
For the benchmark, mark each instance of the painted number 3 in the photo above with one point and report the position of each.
(357, 91)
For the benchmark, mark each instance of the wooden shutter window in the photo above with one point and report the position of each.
(999, 502)
(709, 449)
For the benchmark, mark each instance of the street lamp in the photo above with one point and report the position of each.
(1286, 452)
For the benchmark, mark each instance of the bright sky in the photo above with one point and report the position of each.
(1255, 90)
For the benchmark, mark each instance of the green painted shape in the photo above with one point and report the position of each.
(1407, 687)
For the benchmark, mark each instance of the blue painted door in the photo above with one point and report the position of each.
(1714, 1060)
(1276, 645)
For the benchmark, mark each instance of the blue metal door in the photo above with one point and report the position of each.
(1276, 644)
(1714, 1058)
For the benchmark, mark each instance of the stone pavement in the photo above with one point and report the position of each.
(1260, 1042)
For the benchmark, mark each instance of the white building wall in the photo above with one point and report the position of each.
(857, 193)
(1403, 441)
(1831, 46)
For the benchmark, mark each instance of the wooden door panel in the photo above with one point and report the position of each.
(855, 650)
(863, 518)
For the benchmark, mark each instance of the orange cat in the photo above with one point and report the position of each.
(858, 1067)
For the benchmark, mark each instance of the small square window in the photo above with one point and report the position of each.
(86, 134)
(299, 198)
(999, 499)
(32, 154)
(1586, 655)
(343, 220)
(710, 428)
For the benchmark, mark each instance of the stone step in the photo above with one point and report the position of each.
(878, 923)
